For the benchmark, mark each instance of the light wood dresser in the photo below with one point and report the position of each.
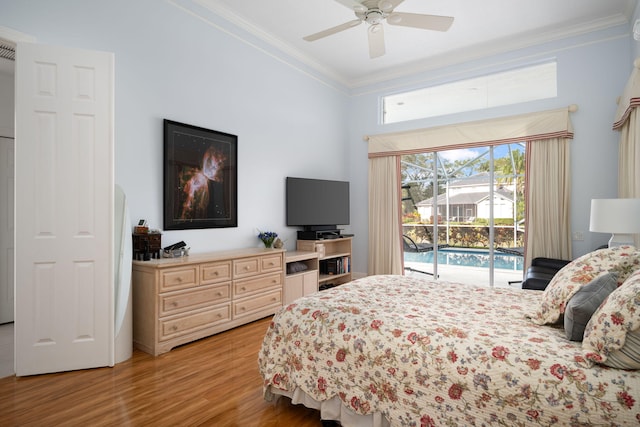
(179, 300)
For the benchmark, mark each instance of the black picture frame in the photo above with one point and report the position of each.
(200, 177)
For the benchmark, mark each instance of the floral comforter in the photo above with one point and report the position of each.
(427, 353)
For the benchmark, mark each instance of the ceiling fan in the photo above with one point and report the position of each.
(373, 12)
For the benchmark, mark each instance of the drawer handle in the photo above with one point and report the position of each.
(243, 288)
(215, 273)
(219, 294)
(178, 279)
(246, 267)
(274, 299)
(175, 303)
(174, 328)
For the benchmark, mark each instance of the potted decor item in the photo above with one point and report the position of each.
(267, 237)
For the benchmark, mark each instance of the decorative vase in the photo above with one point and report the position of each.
(268, 243)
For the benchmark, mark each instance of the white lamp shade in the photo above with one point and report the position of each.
(621, 217)
(615, 215)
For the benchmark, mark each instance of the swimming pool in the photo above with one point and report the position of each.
(468, 258)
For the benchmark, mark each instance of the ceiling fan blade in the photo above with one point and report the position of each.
(376, 41)
(388, 5)
(354, 5)
(332, 30)
(416, 20)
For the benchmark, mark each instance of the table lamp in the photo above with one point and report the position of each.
(621, 217)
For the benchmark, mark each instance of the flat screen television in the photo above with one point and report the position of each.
(317, 204)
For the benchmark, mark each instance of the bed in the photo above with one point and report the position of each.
(397, 350)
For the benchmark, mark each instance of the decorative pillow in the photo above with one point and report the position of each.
(295, 267)
(612, 336)
(621, 259)
(585, 302)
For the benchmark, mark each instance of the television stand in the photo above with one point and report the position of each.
(318, 234)
(334, 259)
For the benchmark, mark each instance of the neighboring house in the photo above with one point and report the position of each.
(468, 199)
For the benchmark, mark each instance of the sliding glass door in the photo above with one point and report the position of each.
(463, 214)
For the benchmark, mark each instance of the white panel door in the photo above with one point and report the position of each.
(64, 209)
(6, 229)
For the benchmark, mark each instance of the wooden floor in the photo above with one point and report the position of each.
(211, 382)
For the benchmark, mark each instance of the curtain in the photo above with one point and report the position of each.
(629, 157)
(548, 191)
(385, 236)
(627, 120)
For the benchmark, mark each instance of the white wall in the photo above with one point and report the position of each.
(592, 71)
(170, 64)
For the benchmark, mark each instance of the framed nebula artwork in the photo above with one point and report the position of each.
(200, 177)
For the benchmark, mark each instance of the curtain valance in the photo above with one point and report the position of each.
(630, 98)
(526, 127)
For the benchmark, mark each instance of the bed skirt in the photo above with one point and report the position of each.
(332, 409)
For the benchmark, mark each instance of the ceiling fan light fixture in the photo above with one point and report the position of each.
(374, 16)
(374, 12)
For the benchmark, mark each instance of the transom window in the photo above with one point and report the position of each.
(505, 88)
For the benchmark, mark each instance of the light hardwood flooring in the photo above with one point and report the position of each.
(211, 382)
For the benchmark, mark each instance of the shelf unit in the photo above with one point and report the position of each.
(334, 259)
(303, 282)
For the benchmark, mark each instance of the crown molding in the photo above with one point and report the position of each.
(470, 53)
(228, 15)
(492, 48)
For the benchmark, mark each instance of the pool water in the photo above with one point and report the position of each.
(468, 258)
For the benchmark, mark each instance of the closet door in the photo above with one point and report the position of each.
(64, 205)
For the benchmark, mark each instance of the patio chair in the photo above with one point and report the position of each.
(519, 251)
(411, 246)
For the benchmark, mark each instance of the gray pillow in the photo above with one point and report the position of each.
(585, 302)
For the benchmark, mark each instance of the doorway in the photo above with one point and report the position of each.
(466, 213)
(7, 174)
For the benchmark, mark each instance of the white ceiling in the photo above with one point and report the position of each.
(480, 28)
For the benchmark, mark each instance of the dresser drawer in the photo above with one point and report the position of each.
(246, 267)
(192, 322)
(249, 286)
(203, 296)
(247, 306)
(271, 263)
(215, 272)
(172, 279)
